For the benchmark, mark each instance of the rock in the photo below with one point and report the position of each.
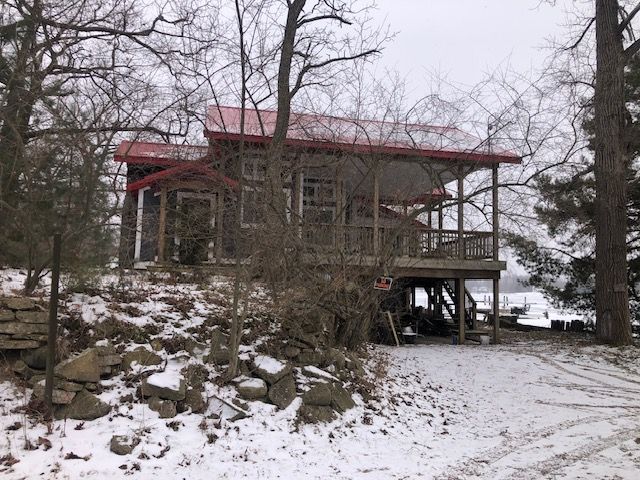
(283, 392)
(341, 400)
(219, 353)
(336, 358)
(225, 410)
(19, 328)
(240, 403)
(19, 303)
(167, 386)
(22, 370)
(68, 386)
(165, 408)
(37, 377)
(18, 344)
(195, 400)
(270, 369)
(252, 388)
(354, 365)
(195, 375)
(106, 371)
(315, 414)
(319, 395)
(307, 340)
(81, 368)
(7, 316)
(32, 317)
(36, 358)
(315, 372)
(38, 337)
(58, 397)
(85, 406)
(142, 356)
(104, 348)
(122, 444)
(110, 360)
(309, 357)
(291, 352)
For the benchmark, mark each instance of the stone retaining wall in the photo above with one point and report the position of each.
(23, 324)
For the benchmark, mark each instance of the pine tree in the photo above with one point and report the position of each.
(566, 271)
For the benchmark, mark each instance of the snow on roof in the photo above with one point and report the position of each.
(365, 136)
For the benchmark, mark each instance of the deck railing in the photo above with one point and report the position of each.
(418, 242)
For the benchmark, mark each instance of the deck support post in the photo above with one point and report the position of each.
(162, 224)
(496, 226)
(496, 310)
(376, 210)
(495, 212)
(461, 311)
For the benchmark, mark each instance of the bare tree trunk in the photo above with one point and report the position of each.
(237, 317)
(612, 298)
(275, 201)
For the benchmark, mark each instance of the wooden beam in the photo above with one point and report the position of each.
(461, 247)
(376, 210)
(162, 224)
(461, 311)
(496, 310)
(495, 212)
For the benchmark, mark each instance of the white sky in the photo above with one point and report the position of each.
(462, 40)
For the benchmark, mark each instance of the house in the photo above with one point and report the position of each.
(368, 190)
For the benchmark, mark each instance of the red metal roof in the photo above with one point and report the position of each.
(196, 170)
(353, 135)
(159, 153)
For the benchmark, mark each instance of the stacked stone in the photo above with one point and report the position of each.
(277, 382)
(23, 324)
(75, 380)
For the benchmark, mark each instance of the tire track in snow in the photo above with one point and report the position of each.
(557, 365)
(488, 457)
(544, 468)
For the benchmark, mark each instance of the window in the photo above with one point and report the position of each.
(254, 169)
(318, 200)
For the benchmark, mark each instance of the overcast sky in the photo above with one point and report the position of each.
(464, 39)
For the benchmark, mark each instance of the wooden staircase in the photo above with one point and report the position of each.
(451, 304)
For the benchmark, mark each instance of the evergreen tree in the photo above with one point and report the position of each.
(565, 271)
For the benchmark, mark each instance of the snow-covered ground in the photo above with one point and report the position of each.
(525, 410)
